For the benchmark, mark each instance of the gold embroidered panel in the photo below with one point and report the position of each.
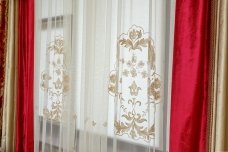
(136, 85)
(55, 79)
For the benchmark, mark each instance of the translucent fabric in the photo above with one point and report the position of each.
(102, 75)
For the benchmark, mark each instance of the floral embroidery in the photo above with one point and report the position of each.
(55, 82)
(135, 87)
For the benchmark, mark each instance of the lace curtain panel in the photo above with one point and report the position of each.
(102, 71)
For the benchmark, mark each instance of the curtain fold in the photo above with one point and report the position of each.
(189, 103)
(9, 110)
(219, 119)
(3, 51)
(24, 114)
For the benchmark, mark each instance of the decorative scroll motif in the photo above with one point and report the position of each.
(55, 81)
(136, 86)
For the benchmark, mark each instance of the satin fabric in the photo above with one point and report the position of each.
(3, 39)
(24, 116)
(218, 140)
(212, 76)
(221, 143)
(189, 101)
(9, 109)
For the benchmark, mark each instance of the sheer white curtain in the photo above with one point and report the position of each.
(101, 79)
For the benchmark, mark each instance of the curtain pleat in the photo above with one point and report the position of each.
(218, 140)
(24, 114)
(9, 109)
(3, 40)
(189, 103)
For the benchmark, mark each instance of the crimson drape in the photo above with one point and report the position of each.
(24, 116)
(190, 76)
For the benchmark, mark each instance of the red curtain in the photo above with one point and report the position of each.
(24, 116)
(190, 76)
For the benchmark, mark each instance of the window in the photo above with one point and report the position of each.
(102, 75)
